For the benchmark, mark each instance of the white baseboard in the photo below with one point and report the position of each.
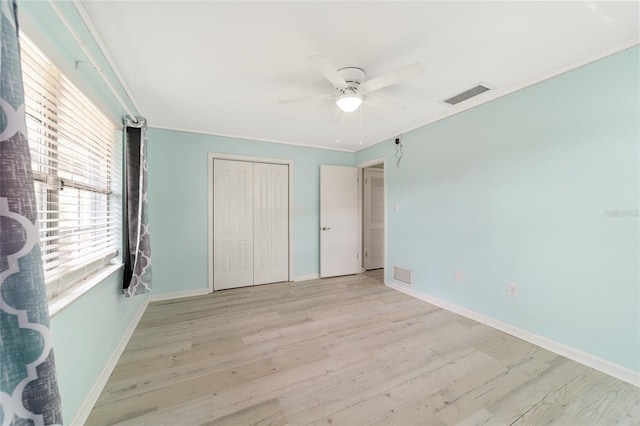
(607, 367)
(306, 277)
(87, 405)
(179, 294)
(85, 409)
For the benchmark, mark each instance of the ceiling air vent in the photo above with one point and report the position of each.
(474, 91)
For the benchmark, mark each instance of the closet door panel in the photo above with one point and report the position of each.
(280, 223)
(251, 223)
(233, 257)
(263, 200)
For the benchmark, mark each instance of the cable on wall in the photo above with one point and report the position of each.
(398, 151)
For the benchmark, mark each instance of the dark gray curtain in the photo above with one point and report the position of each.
(137, 272)
(28, 385)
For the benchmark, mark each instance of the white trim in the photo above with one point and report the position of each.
(83, 412)
(607, 367)
(249, 138)
(248, 158)
(213, 155)
(375, 161)
(309, 277)
(497, 93)
(89, 402)
(178, 294)
(90, 56)
(210, 221)
(360, 220)
(105, 52)
(362, 166)
(59, 303)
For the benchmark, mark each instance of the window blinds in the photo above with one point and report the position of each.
(76, 162)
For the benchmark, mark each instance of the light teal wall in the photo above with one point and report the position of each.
(539, 188)
(178, 200)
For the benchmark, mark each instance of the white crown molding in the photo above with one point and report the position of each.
(497, 93)
(248, 138)
(105, 52)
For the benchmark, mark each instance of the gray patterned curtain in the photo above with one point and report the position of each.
(137, 272)
(28, 385)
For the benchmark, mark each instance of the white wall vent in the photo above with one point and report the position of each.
(474, 91)
(402, 274)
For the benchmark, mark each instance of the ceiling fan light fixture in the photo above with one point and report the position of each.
(349, 102)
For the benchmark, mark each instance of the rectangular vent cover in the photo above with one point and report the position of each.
(475, 91)
(401, 274)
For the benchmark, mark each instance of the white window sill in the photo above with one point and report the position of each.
(68, 297)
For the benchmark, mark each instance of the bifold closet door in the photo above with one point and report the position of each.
(271, 223)
(232, 224)
(250, 223)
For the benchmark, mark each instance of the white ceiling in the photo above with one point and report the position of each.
(221, 67)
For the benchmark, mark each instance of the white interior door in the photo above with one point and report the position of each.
(338, 221)
(233, 224)
(271, 223)
(373, 219)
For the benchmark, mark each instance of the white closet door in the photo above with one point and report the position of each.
(279, 223)
(233, 224)
(262, 223)
(271, 223)
(373, 219)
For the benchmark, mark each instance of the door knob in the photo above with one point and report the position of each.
(324, 228)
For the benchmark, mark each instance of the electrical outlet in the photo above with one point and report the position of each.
(512, 289)
(459, 276)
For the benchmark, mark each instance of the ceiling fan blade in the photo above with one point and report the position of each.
(306, 99)
(382, 103)
(327, 69)
(404, 73)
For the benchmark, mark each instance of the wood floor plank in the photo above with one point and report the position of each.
(268, 413)
(344, 351)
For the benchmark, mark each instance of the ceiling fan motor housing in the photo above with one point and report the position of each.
(352, 76)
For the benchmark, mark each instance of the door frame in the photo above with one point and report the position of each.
(233, 157)
(361, 167)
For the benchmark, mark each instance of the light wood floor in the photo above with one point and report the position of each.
(344, 351)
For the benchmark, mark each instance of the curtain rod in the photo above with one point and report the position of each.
(93, 61)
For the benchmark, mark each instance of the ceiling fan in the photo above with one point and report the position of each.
(351, 87)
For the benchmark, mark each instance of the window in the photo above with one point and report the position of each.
(76, 162)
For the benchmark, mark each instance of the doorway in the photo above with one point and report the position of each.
(373, 218)
(372, 200)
